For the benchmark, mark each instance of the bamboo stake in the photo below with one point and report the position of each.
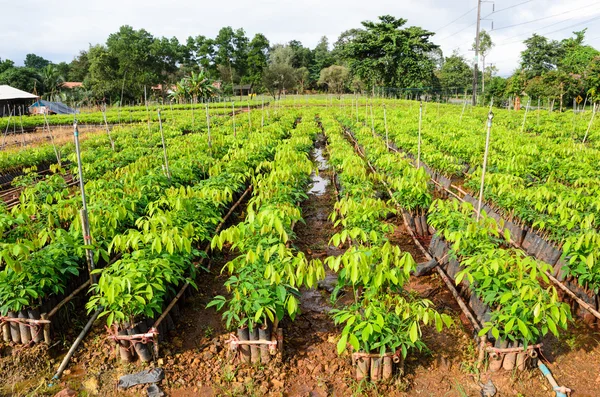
(387, 140)
(162, 137)
(572, 295)
(147, 109)
(208, 128)
(71, 351)
(85, 225)
(485, 159)
(372, 119)
(233, 117)
(249, 119)
(525, 115)
(419, 144)
(591, 122)
(112, 143)
(67, 299)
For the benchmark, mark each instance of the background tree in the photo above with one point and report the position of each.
(302, 79)
(335, 77)
(576, 55)
(540, 56)
(258, 52)
(34, 61)
(322, 58)
(52, 81)
(593, 79)
(385, 54)
(455, 74)
(25, 79)
(485, 46)
(5, 65)
(79, 67)
(280, 75)
(199, 54)
(231, 51)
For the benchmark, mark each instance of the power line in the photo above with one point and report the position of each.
(536, 30)
(548, 17)
(462, 30)
(557, 30)
(462, 16)
(513, 6)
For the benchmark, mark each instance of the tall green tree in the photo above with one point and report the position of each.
(257, 60)
(335, 77)
(200, 54)
(79, 68)
(231, 54)
(280, 75)
(576, 55)
(455, 74)
(34, 61)
(5, 65)
(385, 53)
(322, 58)
(25, 79)
(485, 46)
(52, 81)
(540, 56)
(132, 60)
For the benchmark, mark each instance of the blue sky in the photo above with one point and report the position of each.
(58, 30)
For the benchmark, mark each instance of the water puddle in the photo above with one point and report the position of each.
(319, 159)
(319, 184)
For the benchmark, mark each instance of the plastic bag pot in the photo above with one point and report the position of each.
(37, 331)
(496, 358)
(125, 351)
(254, 349)
(363, 365)
(243, 334)
(264, 334)
(141, 349)
(6, 332)
(376, 368)
(510, 358)
(24, 328)
(15, 333)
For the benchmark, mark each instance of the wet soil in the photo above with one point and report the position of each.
(197, 362)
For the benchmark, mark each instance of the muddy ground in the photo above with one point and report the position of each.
(196, 363)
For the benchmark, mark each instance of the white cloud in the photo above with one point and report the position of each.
(58, 30)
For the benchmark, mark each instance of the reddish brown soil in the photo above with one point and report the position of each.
(196, 362)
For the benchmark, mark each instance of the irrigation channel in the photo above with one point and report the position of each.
(195, 356)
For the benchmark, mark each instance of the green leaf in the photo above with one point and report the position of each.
(109, 319)
(414, 332)
(341, 345)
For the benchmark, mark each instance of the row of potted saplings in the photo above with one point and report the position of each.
(368, 364)
(130, 350)
(258, 337)
(37, 324)
(503, 354)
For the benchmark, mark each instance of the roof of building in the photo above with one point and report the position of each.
(72, 84)
(7, 93)
(55, 107)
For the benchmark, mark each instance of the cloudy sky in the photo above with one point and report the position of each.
(57, 30)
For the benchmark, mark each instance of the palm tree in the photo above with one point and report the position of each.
(181, 91)
(52, 81)
(200, 85)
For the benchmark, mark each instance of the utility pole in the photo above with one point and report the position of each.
(476, 66)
